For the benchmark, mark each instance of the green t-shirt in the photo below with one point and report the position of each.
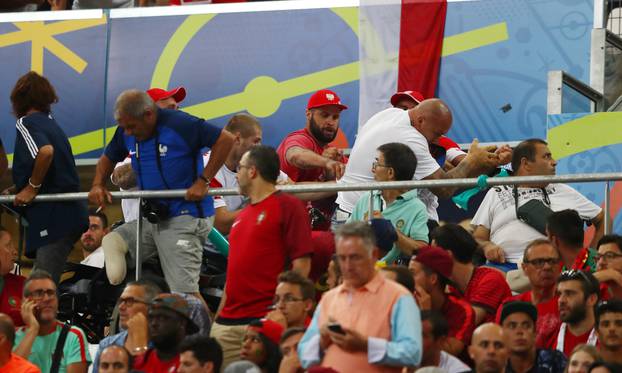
(76, 348)
(407, 213)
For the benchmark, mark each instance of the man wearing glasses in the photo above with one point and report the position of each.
(37, 340)
(609, 266)
(293, 300)
(541, 264)
(133, 307)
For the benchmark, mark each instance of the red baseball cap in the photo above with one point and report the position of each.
(158, 94)
(414, 95)
(325, 97)
(436, 259)
(271, 329)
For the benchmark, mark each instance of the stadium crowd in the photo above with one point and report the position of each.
(315, 282)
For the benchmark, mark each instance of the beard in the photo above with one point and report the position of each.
(317, 132)
(575, 315)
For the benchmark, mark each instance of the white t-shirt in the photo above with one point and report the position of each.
(452, 364)
(95, 259)
(390, 125)
(497, 213)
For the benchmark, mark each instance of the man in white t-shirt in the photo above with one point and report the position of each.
(91, 239)
(500, 233)
(417, 127)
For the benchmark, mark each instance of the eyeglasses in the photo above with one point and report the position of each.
(41, 293)
(540, 262)
(129, 301)
(575, 274)
(287, 298)
(377, 164)
(607, 256)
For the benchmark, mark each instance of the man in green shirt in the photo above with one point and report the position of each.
(396, 162)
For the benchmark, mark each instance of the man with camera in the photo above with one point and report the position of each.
(165, 147)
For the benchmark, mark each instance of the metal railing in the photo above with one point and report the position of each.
(337, 187)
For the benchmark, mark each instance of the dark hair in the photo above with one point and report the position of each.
(100, 215)
(7, 328)
(306, 286)
(536, 242)
(130, 358)
(440, 327)
(400, 158)
(152, 289)
(608, 306)
(273, 352)
(37, 274)
(442, 281)
(205, 349)
(32, 91)
(457, 240)
(589, 283)
(266, 161)
(526, 149)
(402, 276)
(291, 332)
(613, 367)
(610, 238)
(243, 123)
(566, 225)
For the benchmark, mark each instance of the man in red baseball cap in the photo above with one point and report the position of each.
(406, 100)
(431, 268)
(305, 154)
(167, 99)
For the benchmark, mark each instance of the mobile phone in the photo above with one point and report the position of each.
(336, 328)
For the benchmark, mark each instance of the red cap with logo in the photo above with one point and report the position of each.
(436, 259)
(325, 97)
(413, 95)
(271, 329)
(158, 94)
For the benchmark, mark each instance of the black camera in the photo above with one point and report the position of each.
(154, 211)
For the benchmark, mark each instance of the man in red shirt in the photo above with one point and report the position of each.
(293, 300)
(578, 292)
(11, 286)
(169, 323)
(484, 288)
(10, 362)
(270, 232)
(431, 267)
(305, 154)
(541, 264)
(609, 266)
(565, 230)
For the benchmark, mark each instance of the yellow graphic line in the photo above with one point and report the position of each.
(474, 39)
(585, 133)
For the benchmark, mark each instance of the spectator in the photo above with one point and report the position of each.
(261, 345)
(578, 293)
(605, 367)
(416, 128)
(434, 331)
(396, 162)
(305, 154)
(375, 323)
(484, 288)
(200, 354)
(169, 324)
(10, 362)
(92, 239)
(608, 321)
(541, 266)
(99, 4)
(489, 349)
(582, 358)
(609, 266)
(271, 230)
(164, 145)
(115, 359)
(133, 307)
(501, 233)
(401, 275)
(37, 340)
(293, 300)
(518, 320)
(565, 230)
(290, 363)
(431, 268)
(43, 163)
(12, 285)
(123, 176)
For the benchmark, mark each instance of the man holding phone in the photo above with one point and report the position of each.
(367, 324)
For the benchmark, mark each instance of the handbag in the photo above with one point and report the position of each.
(534, 212)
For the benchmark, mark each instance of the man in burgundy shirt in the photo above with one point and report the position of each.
(271, 232)
(484, 288)
(541, 264)
(305, 154)
(431, 268)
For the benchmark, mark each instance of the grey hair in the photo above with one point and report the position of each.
(358, 229)
(37, 274)
(133, 103)
(152, 290)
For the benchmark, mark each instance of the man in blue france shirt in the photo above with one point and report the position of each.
(165, 148)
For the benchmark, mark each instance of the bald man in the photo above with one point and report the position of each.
(489, 349)
(9, 362)
(417, 127)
